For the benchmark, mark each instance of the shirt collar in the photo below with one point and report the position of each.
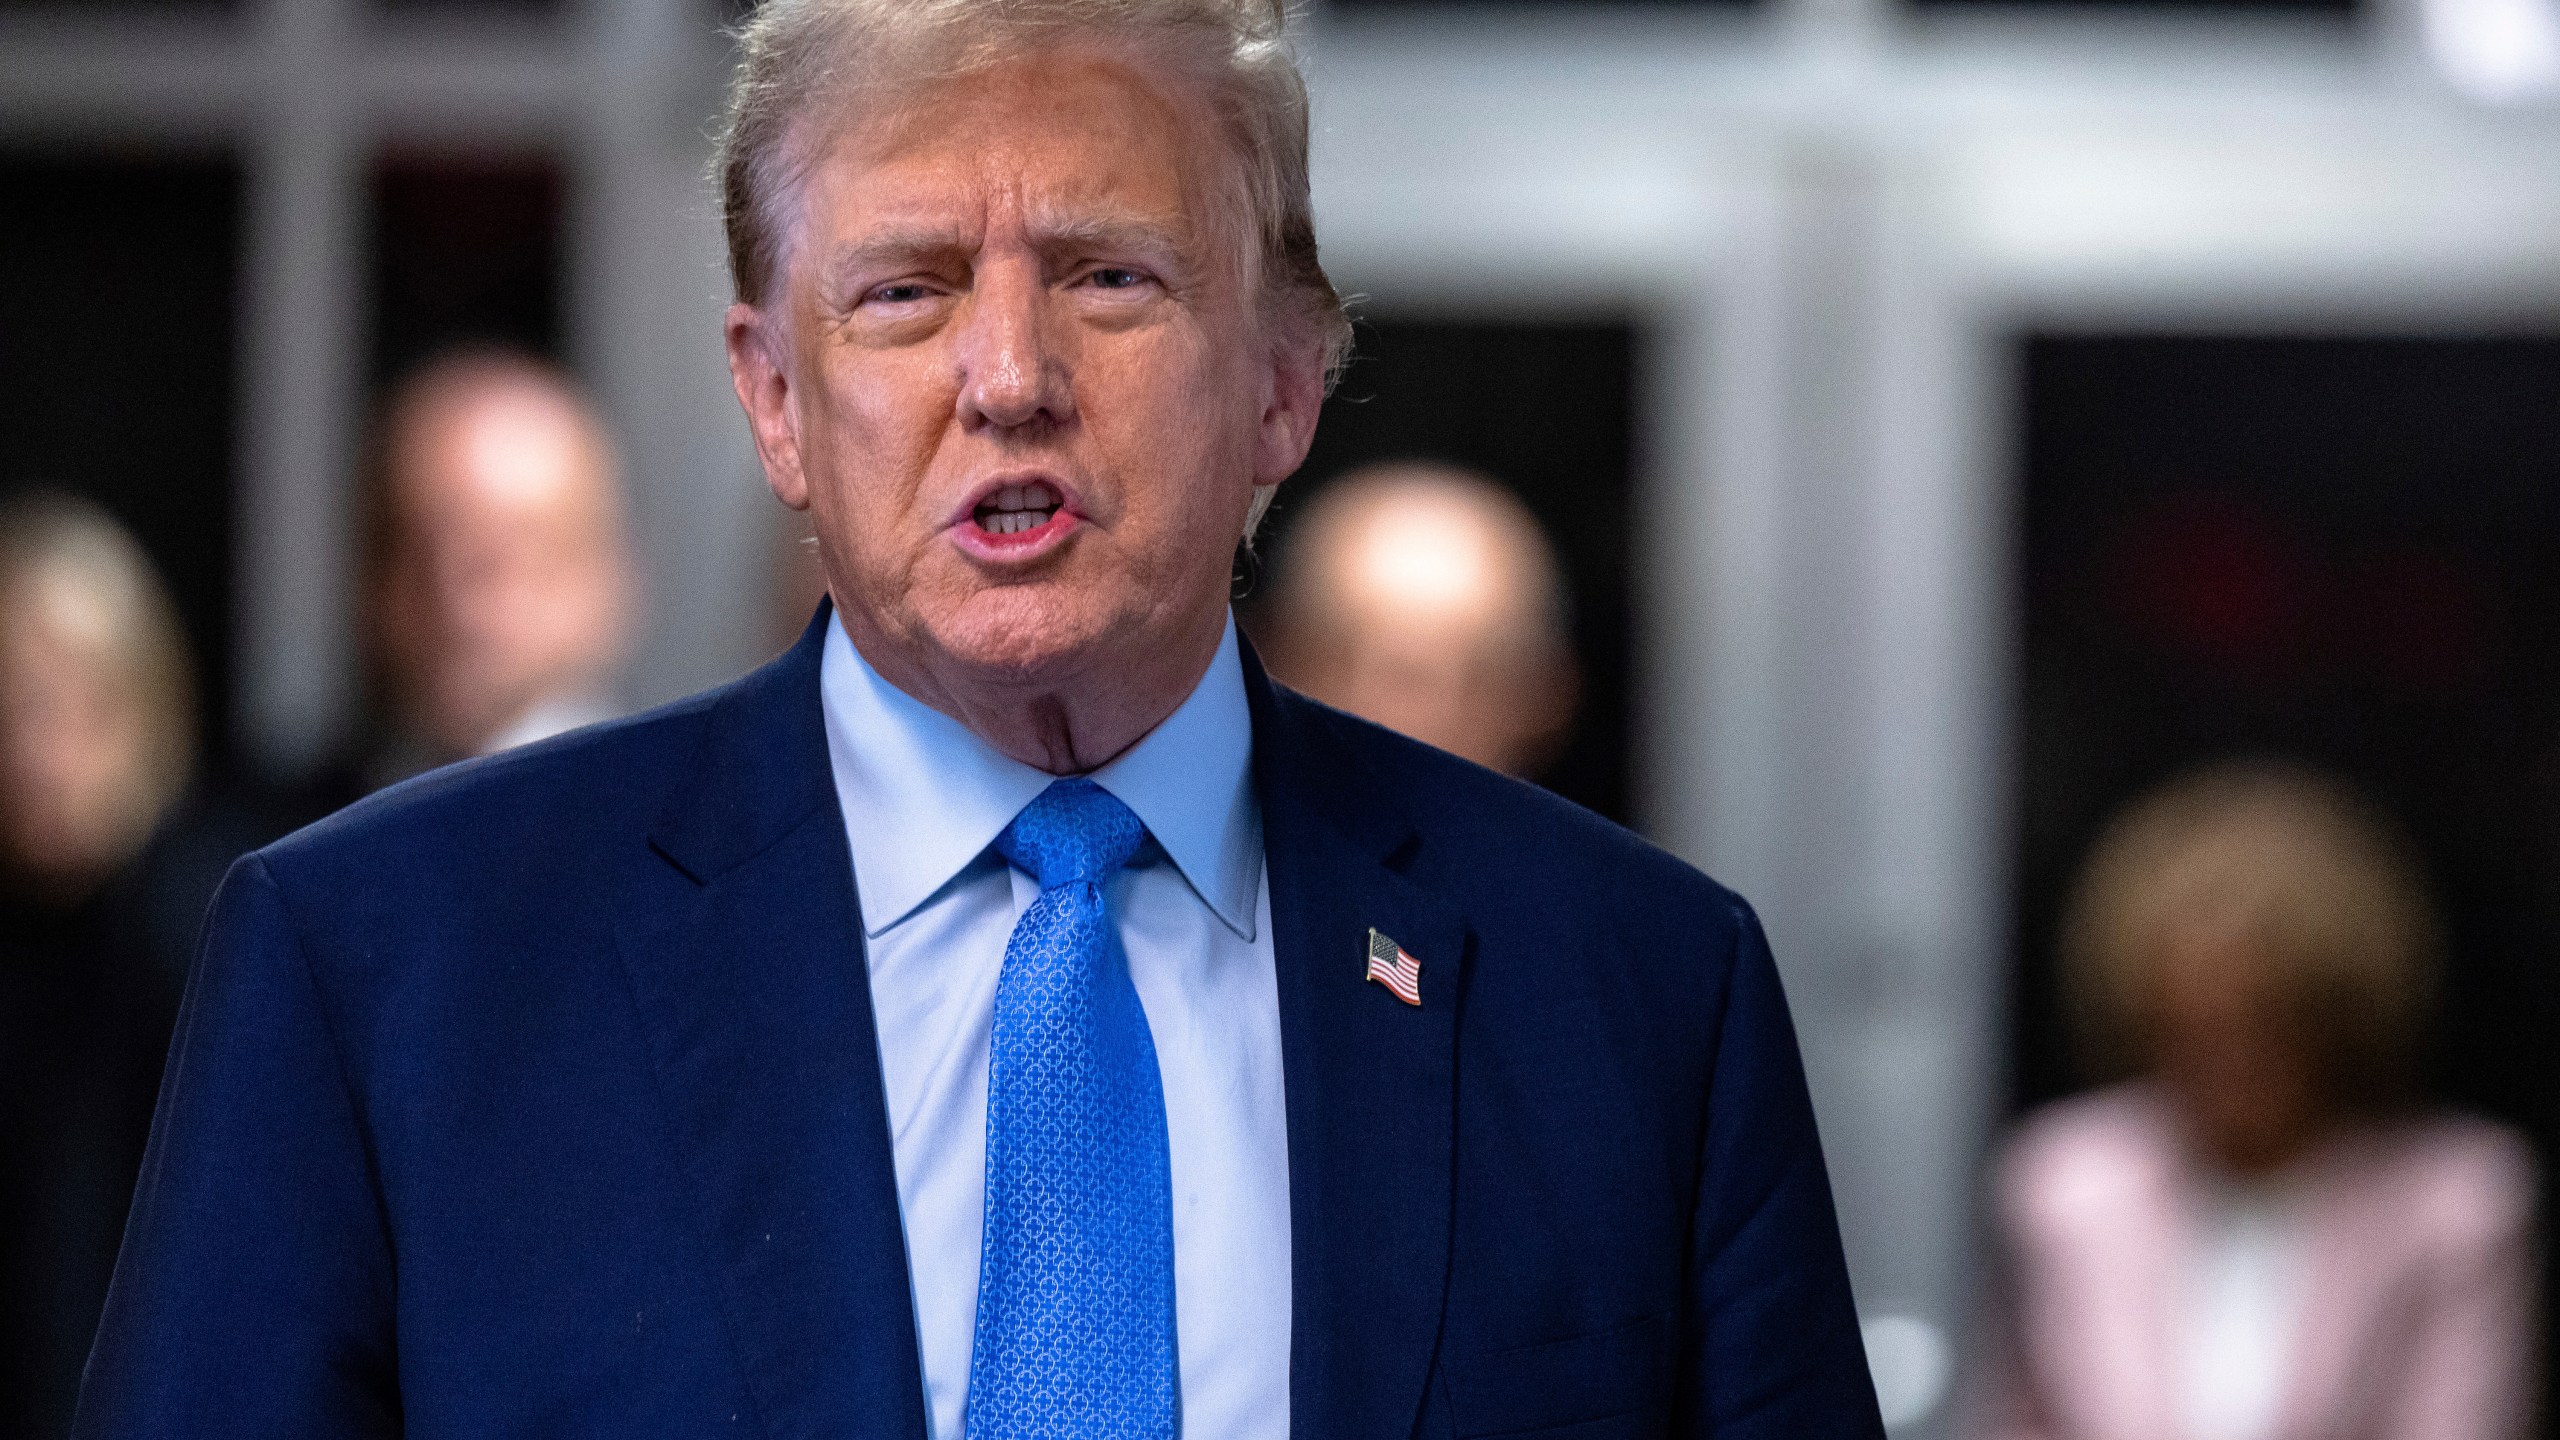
(923, 797)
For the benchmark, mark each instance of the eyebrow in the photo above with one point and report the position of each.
(897, 245)
(1123, 233)
(904, 245)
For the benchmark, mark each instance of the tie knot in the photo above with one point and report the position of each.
(1076, 831)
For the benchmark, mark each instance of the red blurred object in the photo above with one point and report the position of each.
(2212, 579)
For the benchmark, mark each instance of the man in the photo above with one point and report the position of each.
(1425, 598)
(1007, 1015)
(500, 576)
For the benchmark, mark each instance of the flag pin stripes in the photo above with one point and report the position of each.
(1390, 966)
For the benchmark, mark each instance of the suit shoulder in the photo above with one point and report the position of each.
(534, 796)
(2467, 1180)
(1504, 830)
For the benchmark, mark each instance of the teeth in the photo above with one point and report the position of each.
(1035, 496)
(1014, 509)
(1013, 522)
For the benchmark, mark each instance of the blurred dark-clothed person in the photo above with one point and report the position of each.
(2262, 1236)
(501, 581)
(107, 858)
(1426, 598)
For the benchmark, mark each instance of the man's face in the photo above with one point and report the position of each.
(1022, 386)
(505, 581)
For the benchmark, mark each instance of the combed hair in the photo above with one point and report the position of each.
(800, 57)
(2321, 887)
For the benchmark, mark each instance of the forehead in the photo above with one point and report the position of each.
(1054, 137)
(499, 445)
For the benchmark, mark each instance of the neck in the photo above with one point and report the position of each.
(1077, 715)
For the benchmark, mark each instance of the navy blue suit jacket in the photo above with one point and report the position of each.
(540, 1097)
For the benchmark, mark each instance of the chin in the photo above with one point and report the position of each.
(1021, 637)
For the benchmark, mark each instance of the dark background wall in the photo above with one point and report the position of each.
(118, 332)
(466, 249)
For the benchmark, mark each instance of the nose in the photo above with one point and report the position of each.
(1012, 375)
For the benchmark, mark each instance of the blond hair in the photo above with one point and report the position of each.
(797, 56)
(83, 577)
(2321, 891)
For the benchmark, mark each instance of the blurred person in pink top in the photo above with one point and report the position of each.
(2261, 1236)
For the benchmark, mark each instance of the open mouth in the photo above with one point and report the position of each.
(1018, 509)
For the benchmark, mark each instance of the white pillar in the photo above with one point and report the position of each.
(302, 387)
(647, 292)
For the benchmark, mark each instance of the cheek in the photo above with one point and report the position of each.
(1176, 419)
(868, 440)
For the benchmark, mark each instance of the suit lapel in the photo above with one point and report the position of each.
(745, 954)
(1371, 1082)
(746, 963)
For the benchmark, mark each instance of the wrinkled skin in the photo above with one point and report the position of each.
(1021, 276)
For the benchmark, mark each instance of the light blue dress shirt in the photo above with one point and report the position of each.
(923, 801)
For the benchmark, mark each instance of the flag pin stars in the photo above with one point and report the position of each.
(1391, 967)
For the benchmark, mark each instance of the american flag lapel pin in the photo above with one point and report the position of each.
(1391, 967)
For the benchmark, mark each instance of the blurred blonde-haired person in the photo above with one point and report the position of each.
(96, 698)
(2261, 1235)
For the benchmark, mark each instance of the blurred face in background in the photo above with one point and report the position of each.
(1427, 600)
(504, 578)
(2258, 940)
(92, 710)
(1016, 372)
(2234, 1054)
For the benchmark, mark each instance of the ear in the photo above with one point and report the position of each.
(763, 383)
(1290, 404)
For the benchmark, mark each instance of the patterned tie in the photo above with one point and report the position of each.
(1075, 1333)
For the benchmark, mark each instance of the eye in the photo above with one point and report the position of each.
(902, 292)
(1116, 277)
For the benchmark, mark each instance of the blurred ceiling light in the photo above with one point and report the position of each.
(2499, 51)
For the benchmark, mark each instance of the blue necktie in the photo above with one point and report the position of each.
(1075, 1333)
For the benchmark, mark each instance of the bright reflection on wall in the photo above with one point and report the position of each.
(2500, 51)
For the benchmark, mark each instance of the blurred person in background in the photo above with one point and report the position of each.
(1426, 598)
(106, 862)
(2262, 1237)
(500, 581)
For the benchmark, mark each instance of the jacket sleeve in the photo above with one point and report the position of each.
(1770, 1344)
(2470, 1350)
(253, 1295)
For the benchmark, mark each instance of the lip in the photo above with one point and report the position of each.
(1025, 545)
